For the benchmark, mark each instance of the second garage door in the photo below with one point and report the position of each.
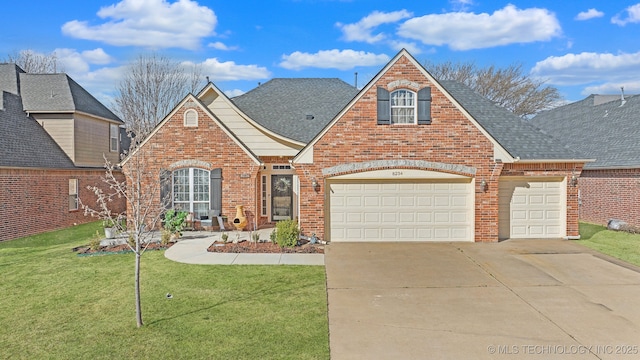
(383, 210)
(532, 208)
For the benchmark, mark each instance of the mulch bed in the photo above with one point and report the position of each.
(264, 247)
(115, 249)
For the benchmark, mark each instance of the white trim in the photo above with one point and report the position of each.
(193, 122)
(246, 117)
(431, 79)
(213, 118)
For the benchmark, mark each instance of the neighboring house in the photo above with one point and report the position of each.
(407, 158)
(604, 127)
(53, 137)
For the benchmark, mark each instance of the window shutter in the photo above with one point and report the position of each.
(424, 106)
(216, 189)
(384, 109)
(165, 188)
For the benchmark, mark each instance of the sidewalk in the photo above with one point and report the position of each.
(192, 249)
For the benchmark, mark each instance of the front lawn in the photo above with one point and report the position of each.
(619, 244)
(54, 304)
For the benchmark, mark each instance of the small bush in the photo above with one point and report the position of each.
(225, 237)
(165, 237)
(174, 221)
(94, 243)
(287, 233)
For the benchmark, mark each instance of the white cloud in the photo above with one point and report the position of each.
(595, 69)
(233, 93)
(362, 30)
(410, 46)
(461, 5)
(148, 23)
(221, 46)
(229, 70)
(589, 14)
(630, 87)
(632, 16)
(465, 31)
(332, 59)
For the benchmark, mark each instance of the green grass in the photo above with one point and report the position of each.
(56, 305)
(619, 244)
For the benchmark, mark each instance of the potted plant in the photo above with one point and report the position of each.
(110, 228)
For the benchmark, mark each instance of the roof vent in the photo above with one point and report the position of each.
(310, 117)
(622, 99)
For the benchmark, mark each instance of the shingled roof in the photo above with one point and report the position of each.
(600, 126)
(59, 93)
(518, 137)
(24, 142)
(297, 108)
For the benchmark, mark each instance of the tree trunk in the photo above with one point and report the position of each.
(138, 302)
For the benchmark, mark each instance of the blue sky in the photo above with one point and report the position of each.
(581, 47)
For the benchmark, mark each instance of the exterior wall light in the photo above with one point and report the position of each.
(483, 185)
(574, 180)
(314, 184)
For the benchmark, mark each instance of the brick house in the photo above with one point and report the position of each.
(604, 127)
(54, 135)
(406, 158)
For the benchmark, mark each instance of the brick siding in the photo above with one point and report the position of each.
(450, 139)
(174, 145)
(35, 201)
(610, 194)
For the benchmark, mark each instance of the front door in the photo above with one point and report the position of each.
(281, 197)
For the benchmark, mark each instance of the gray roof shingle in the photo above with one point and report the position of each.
(283, 104)
(59, 93)
(517, 136)
(24, 142)
(604, 130)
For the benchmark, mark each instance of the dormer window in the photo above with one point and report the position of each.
(403, 107)
(190, 118)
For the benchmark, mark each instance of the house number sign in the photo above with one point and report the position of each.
(396, 173)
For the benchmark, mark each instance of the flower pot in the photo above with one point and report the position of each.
(110, 233)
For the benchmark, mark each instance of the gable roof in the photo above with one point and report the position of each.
(24, 142)
(59, 93)
(518, 137)
(507, 131)
(214, 118)
(283, 104)
(599, 127)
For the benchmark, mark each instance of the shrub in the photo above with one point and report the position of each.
(225, 237)
(287, 233)
(174, 221)
(165, 237)
(94, 243)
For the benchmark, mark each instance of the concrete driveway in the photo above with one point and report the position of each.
(533, 299)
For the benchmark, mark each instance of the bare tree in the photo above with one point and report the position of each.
(508, 87)
(140, 188)
(35, 63)
(151, 87)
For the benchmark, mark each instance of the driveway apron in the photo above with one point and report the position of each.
(526, 299)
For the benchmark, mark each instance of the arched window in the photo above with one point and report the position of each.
(190, 118)
(191, 191)
(403, 107)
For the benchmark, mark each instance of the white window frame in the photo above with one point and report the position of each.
(73, 194)
(193, 121)
(264, 200)
(114, 135)
(413, 106)
(191, 191)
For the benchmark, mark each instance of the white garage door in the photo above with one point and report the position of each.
(401, 211)
(532, 208)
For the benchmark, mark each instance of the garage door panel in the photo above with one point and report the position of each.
(407, 211)
(532, 208)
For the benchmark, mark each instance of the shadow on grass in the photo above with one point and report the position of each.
(587, 231)
(261, 292)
